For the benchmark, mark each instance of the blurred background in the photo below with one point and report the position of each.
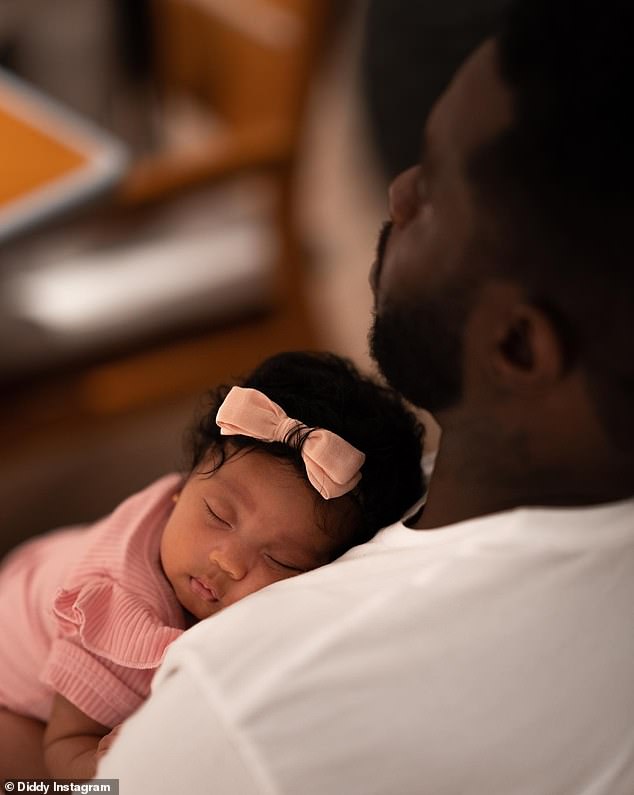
(260, 136)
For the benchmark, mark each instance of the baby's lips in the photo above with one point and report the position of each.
(203, 590)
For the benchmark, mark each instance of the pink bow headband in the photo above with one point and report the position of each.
(332, 465)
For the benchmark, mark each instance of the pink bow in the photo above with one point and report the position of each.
(332, 465)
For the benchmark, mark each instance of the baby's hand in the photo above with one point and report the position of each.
(73, 742)
(105, 743)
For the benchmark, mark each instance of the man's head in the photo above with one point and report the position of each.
(507, 273)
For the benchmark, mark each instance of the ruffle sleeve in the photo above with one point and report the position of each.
(109, 643)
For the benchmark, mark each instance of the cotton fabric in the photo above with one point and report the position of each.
(87, 612)
(490, 657)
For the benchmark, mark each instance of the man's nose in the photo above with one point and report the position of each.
(231, 560)
(402, 196)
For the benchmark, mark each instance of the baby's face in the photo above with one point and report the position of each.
(252, 522)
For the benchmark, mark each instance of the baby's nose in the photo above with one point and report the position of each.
(233, 564)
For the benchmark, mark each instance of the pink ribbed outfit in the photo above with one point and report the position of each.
(88, 613)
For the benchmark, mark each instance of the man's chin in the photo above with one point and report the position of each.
(420, 365)
(392, 362)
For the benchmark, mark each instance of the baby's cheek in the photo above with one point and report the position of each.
(256, 581)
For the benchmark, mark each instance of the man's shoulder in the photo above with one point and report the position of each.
(407, 581)
(477, 637)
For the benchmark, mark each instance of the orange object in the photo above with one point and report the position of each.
(51, 159)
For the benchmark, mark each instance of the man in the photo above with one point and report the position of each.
(489, 649)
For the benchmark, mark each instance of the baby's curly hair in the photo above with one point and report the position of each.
(323, 390)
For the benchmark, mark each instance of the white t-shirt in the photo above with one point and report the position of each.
(491, 657)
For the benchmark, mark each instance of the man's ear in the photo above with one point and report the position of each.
(529, 351)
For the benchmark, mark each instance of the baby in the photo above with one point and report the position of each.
(303, 460)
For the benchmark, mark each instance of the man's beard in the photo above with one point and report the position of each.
(418, 347)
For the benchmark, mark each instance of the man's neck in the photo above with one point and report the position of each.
(467, 484)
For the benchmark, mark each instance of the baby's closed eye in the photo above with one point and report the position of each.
(214, 515)
(280, 565)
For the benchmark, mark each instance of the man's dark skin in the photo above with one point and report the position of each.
(524, 430)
